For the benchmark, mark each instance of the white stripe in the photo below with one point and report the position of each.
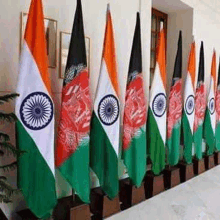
(158, 87)
(212, 96)
(187, 92)
(105, 87)
(30, 81)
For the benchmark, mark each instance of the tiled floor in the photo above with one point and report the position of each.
(196, 199)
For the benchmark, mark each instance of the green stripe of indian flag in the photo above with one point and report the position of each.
(104, 140)
(39, 180)
(210, 121)
(157, 125)
(135, 156)
(188, 120)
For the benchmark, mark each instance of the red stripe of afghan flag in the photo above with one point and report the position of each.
(175, 109)
(134, 123)
(200, 107)
(72, 152)
(157, 110)
(104, 138)
(35, 125)
(217, 106)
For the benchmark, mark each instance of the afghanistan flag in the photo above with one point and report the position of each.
(217, 105)
(104, 139)
(210, 120)
(72, 152)
(35, 112)
(175, 109)
(134, 130)
(200, 106)
(157, 110)
(189, 105)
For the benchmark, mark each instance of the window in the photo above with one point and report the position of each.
(157, 16)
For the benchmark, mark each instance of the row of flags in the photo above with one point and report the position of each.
(89, 138)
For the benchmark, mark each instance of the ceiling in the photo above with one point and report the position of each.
(168, 6)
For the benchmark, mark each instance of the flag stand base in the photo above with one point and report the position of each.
(153, 184)
(171, 177)
(199, 166)
(101, 206)
(186, 171)
(71, 208)
(217, 158)
(26, 214)
(209, 162)
(130, 195)
(2, 215)
(66, 209)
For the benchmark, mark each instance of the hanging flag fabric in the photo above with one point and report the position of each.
(134, 122)
(72, 153)
(189, 106)
(157, 110)
(35, 112)
(210, 120)
(104, 138)
(175, 109)
(200, 106)
(217, 105)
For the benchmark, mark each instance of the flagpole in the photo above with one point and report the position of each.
(139, 6)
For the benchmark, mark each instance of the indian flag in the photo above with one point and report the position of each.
(134, 124)
(157, 113)
(210, 120)
(189, 106)
(35, 126)
(104, 139)
(217, 106)
(200, 106)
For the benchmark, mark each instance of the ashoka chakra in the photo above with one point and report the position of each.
(212, 106)
(36, 110)
(159, 105)
(108, 110)
(190, 104)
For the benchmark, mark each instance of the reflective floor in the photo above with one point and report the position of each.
(196, 199)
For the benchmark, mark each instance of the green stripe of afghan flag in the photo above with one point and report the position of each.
(188, 139)
(78, 176)
(217, 136)
(157, 149)
(35, 178)
(173, 144)
(197, 137)
(209, 134)
(135, 157)
(103, 158)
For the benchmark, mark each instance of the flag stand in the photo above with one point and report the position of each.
(186, 171)
(209, 161)
(171, 176)
(217, 158)
(129, 194)
(101, 206)
(69, 209)
(153, 184)
(199, 166)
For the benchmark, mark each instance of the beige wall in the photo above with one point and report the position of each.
(202, 19)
